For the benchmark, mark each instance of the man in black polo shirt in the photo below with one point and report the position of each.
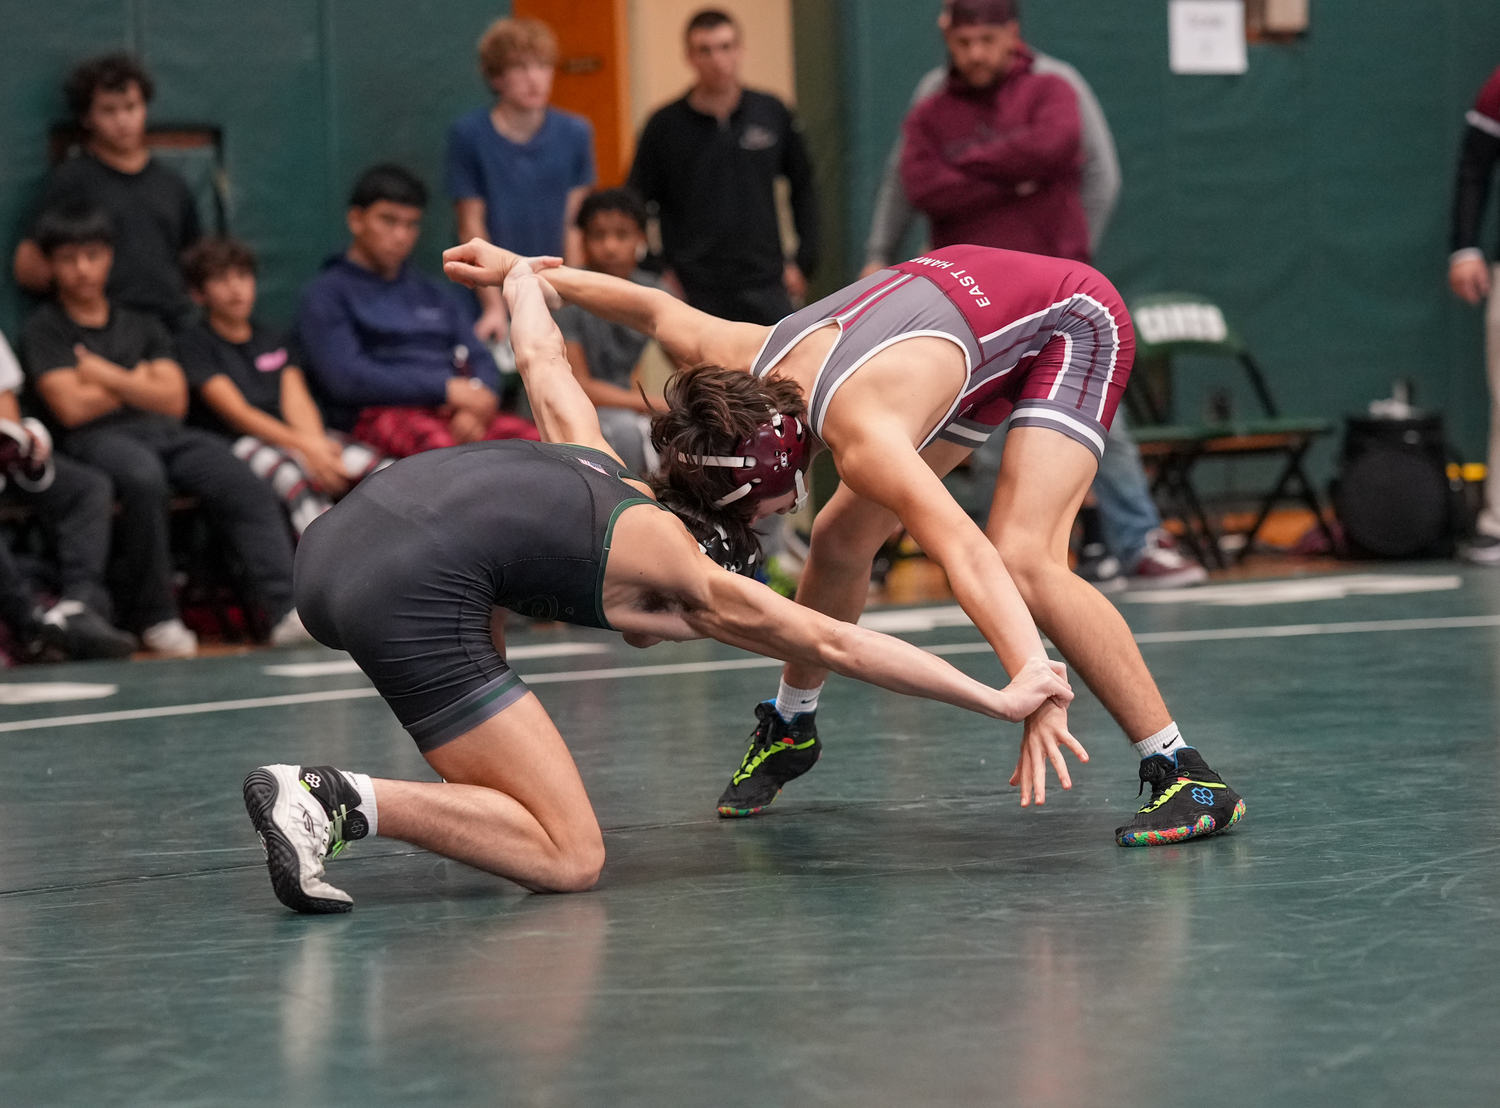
(151, 207)
(709, 163)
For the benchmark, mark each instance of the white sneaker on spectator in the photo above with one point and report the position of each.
(1163, 566)
(1482, 550)
(172, 638)
(290, 631)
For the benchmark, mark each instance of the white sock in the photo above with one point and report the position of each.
(1166, 741)
(790, 701)
(366, 787)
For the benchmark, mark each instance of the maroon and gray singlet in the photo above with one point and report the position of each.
(1047, 341)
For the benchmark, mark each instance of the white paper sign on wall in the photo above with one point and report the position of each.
(1207, 36)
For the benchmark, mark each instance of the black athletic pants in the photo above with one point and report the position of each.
(15, 604)
(767, 306)
(75, 511)
(149, 457)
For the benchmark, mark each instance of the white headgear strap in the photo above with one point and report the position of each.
(715, 460)
(738, 494)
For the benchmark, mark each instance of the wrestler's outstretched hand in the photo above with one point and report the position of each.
(1039, 681)
(476, 262)
(1045, 733)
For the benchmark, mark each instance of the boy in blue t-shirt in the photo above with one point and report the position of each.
(517, 172)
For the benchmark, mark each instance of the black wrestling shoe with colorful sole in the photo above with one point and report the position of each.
(1188, 801)
(779, 752)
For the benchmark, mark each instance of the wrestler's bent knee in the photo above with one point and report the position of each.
(577, 870)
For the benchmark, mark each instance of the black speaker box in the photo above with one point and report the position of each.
(1393, 495)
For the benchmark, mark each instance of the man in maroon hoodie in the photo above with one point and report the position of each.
(994, 158)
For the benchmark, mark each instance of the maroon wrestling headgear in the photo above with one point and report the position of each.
(776, 453)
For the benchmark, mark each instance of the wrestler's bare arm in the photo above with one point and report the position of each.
(690, 337)
(559, 406)
(889, 472)
(658, 585)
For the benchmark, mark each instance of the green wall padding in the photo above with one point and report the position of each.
(307, 92)
(820, 105)
(1309, 197)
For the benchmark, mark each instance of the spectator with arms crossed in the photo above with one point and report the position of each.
(709, 162)
(603, 354)
(109, 379)
(1099, 184)
(993, 158)
(151, 211)
(247, 387)
(518, 171)
(390, 348)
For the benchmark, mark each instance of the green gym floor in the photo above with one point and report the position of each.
(894, 931)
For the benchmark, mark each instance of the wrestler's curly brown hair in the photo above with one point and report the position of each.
(710, 409)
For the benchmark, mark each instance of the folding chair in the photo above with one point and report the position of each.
(1170, 326)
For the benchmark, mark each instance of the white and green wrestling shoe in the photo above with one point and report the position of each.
(303, 815)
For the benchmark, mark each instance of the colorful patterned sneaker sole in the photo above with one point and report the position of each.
(731, 811)
(1203, 828)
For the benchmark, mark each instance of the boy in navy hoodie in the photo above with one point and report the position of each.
(391, 350)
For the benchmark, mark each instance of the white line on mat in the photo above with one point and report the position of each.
(1279, 631)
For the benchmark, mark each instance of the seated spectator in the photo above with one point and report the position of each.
(74, 504)
(111, 384)
(604, 355)
(150, 206)
(390, 349)
(19, 614)
(247, 387)
(518, 170)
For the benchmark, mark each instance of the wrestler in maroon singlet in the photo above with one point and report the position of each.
(1046, 338)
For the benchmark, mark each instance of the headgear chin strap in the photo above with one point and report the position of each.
(775, 454)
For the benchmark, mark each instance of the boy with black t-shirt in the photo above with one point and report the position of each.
(247, 387)
(109, 378)
(151, 209)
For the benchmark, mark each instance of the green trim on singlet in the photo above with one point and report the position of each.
(609, 529)
(445, 718)
(609, 533)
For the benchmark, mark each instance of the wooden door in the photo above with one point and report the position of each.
(592, 73)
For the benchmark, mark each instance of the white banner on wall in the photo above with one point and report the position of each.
(1207, 36)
